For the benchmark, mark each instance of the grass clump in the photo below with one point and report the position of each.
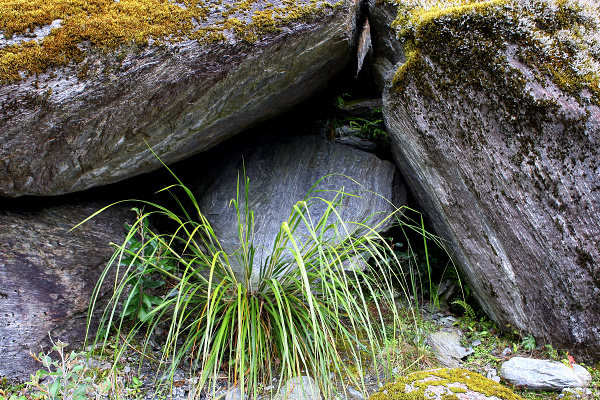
(311, 311)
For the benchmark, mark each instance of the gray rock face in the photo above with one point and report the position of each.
(387, 50)
(282, 173)
(48, 274)
(62, 132)
(503, 157)
(533, 374)
(302, 388)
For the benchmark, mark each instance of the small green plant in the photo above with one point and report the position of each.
(372, 130)
(150, 257)
(528, 343)
(552, 353)
(469, 312)
(64, 378)
(309, 306)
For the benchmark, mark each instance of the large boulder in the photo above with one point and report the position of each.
(48, 273)
(282, 172)
(495, 123)
(85, 92)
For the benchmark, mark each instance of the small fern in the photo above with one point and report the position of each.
(468, 309)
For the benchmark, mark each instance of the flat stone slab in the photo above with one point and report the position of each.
(447, 348)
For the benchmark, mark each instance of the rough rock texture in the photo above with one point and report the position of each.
(529, 373)
(47, 275)
(495, 124)
(282, 172)
(387, 50)
(445, 383)
(90, 122)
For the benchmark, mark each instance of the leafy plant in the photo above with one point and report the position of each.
(64, 378)
(373, 130)
(150, 257)
(309, 305)
(468, 309)
(528, 343)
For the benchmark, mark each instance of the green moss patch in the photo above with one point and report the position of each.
(108, 24)
(415, 386)
(467, 41)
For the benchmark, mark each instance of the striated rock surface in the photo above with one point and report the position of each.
(282, 172)
(81, 103)
(48, 274)
(495, 123)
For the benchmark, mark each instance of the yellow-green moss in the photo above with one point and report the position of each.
(467, 38)
(108, 24)
(445, 377)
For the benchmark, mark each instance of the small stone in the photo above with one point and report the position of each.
(476, 343)
(492, 374)
(354, 394)
(447, 321)
(302, 388)
(506, 352)
(234, 394)
(446, 347)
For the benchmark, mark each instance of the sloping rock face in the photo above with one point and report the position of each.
(282, 172)
(495, 123)
(48, 274)
(81, 104)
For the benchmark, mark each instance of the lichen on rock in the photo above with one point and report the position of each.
(74, 27)
(443, 384)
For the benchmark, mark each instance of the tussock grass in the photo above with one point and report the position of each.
(324, 304)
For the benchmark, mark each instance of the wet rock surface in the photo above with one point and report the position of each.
(65, 131)
(503, 159)
(48, 274)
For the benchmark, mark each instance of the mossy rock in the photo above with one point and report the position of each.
(557, 38)
(40, 34)
(444, 384)
(87, 88)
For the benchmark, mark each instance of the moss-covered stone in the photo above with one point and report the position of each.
(445, 382)
(108, 24)
(558, 39)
